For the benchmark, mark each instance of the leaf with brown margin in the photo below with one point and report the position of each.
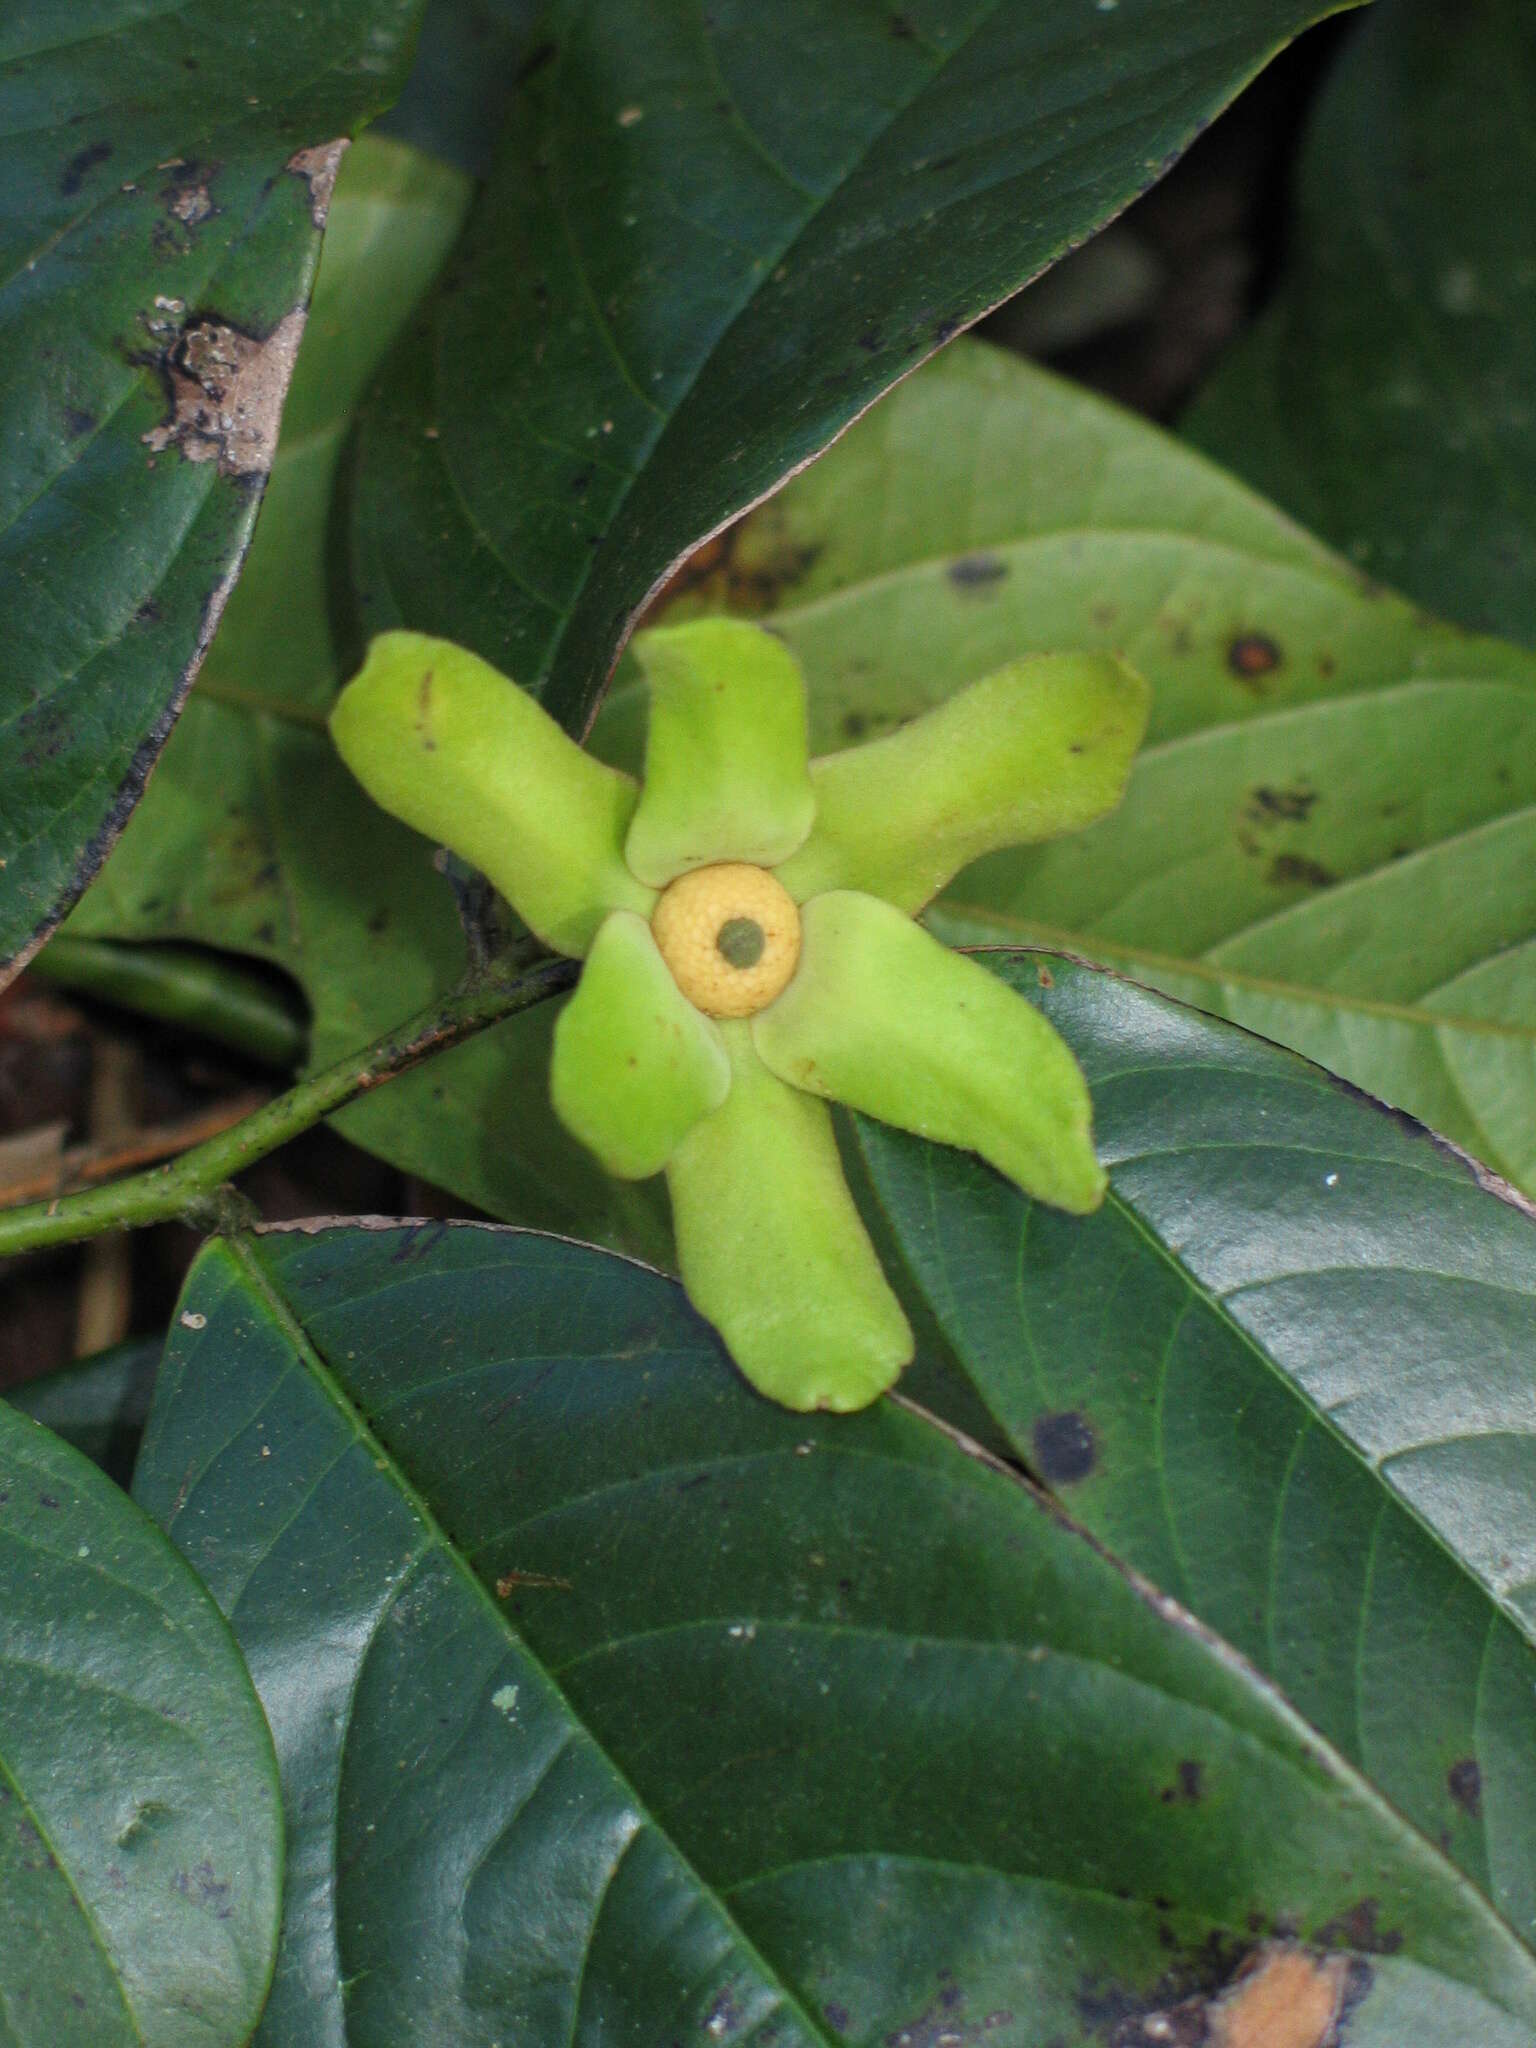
(713, 238)
(255, 838)
(157, 248)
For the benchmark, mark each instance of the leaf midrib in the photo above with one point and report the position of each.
(98, 1938)
(291, 1327)
(1216, 1306)
(757, 275)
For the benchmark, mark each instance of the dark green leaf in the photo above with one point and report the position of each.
(164, 173)
(467, 63)
(140, 1823)
(1287, 1372)
(253, 837)
(618, 1706)
(713, 237)
(1330, 834)
(1388, 397)
(98, 1404)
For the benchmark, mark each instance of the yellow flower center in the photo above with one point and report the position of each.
(731, 936)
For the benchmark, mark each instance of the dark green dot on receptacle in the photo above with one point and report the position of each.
(740, 940)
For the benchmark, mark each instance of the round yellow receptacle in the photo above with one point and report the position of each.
(731, 936)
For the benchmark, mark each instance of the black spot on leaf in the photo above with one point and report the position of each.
(1064, 1447)
(1188, 1787)
(1252, 655)
(1464, 1782)
(976, 572)
(1289, 805)
(82, 161)
(1286, 869)
(723, 2019)
(416, 1239)
(943, 2024)
(535, 62)
(1360, 1929)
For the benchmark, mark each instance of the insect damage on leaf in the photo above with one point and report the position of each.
(1284, 1999)
(226, 390)
(1281, 1997)
(319, 165)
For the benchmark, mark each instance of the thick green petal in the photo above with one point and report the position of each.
(443, 740)
(1038, 748)
(773, 1251)
(882, 1017)
(725, 752)
(635, 1064)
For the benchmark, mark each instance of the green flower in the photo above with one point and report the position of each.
(746, 918)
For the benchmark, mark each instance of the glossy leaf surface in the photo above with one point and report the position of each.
(164, 174)
(1289, 1372)
(140, 1822)
(1330, 832)
(1388, 397)
(616, 1705)
(712, 238)
(99, 1404)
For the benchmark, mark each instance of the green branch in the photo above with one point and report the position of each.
(189, 1186)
